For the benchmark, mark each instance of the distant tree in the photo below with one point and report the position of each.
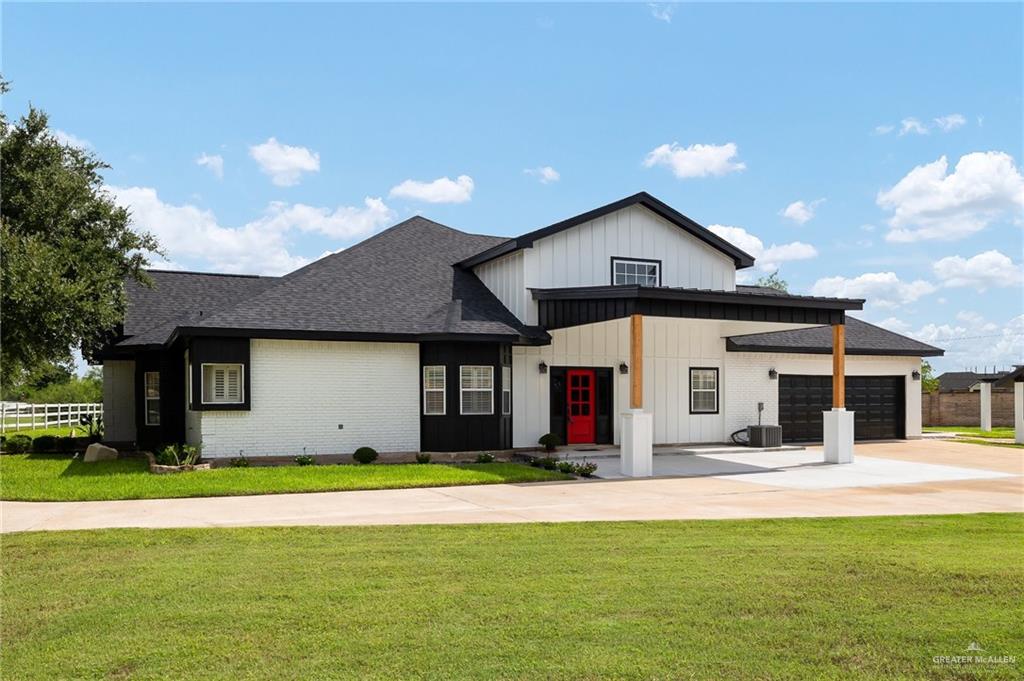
(66, 246)
(773, 281)
(929, 384)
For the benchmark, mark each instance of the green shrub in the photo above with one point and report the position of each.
(550, 441)
(565, 467)
(167, 456)
(305, 460)
(423, 457)
(365, 455)
(533, 461)
(18, 444)
(585, 469)
(239, 462)
(189, 455)
(65, 444)
(485, 457)
(548, 462)
(44, 443)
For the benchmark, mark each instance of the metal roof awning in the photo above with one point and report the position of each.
(563, 307)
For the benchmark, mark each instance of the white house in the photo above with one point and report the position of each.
(425, 338)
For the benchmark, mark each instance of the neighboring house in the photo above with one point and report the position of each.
(966, 381)
(426, 338)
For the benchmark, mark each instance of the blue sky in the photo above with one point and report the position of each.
(317, 125)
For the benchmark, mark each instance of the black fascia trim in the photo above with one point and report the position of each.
(696, 295)
(718, 391)
(623, 258)
(742, 259)
(302, 334)
(731, 346)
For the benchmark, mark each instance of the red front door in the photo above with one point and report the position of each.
(580, 400)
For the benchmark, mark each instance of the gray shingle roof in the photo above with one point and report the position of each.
(963, 380)
(861, 339)
(400, 281)
(176, 297)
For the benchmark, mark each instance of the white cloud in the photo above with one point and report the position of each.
(884, 129)
(283, 163)
(344, 222)
(767, 259)
(880, 289)
(928, 203)
(975, 341)
(990, 269)
(70, 140)
(546, 174)
(895, 325)
(662, 11)
(441, 190)
(801, 211)
(213, 162)
(950, 122)
(259, 246)
(912, 125)
(696, 160)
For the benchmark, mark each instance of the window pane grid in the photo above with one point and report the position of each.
(152, 392)
(703, 390)
(634, 272)
(506, 390)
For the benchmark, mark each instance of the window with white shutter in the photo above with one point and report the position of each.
(222, 384)
(433, 390)
(476, 390)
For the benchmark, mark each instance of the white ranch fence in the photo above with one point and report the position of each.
(37, 416)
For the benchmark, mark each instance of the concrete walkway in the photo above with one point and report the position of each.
(990, 479)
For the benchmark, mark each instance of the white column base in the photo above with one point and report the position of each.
(1018, 413)
(838, 436)
(637, 437)
(986, 406)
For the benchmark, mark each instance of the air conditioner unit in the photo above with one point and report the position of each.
(764, 436)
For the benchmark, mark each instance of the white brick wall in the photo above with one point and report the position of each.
(301, 390)
(746, 383)
(119, 400)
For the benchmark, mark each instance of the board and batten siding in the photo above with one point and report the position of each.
(119, 400)
(747, 383)
(581, 256)
(302, 390)
(671, 347)
(504, 277)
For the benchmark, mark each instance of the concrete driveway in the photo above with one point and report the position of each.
(899, 478)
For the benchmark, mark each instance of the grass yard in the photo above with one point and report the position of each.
(845, 598)
(58, 477)
(972, 431)
(64, 431)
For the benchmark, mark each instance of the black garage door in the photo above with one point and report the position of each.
(877, 403)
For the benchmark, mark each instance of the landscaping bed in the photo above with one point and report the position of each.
(843, 598)
(57, 477)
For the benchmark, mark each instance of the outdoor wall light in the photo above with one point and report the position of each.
(916, 375)
(542, 367)
(623, 368)
(773, 374)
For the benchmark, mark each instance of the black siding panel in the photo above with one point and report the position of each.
(454, 432)
(219, 351)
(560, 313)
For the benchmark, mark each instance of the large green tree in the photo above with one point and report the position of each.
(67, 248)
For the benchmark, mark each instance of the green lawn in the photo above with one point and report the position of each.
(973, 431)
(850, 598)
(57, 477)
(65, 431)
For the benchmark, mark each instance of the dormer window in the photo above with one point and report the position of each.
(635, 272)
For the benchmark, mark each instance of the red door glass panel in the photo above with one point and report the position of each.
(580, 404)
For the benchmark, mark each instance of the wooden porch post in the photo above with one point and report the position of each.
(838, 366)
(636, 361)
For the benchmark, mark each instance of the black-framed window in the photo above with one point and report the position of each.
(636, 272)
(151, 387)
(222, 384)
(703, 390)
(506, 390)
